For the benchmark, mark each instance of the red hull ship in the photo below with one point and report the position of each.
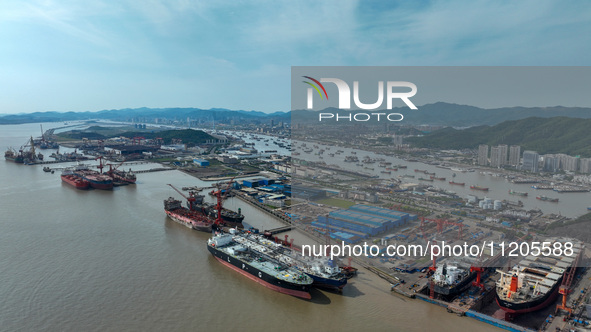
(479, 188)
(192, 219)
(75, 181)
(96, 179)
(195, 218)
(457, 183)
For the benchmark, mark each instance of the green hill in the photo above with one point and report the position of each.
(188, 136)
(544, 135)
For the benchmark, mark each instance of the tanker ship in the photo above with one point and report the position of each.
(324, 271)
(249, 260)
(533, 283)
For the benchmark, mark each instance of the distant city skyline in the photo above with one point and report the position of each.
(91, 56)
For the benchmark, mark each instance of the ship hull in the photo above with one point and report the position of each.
(188, 222)
(75, 181)
(252, 273)
(101, 185)
(460, 287)
(95, 181)
(18, 160)
(537, 304)
(321, 282)
(123, 178)
(231, 218)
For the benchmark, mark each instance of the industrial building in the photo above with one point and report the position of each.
(201, 162)
(361, 221)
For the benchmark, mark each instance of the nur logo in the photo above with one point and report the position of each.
(345, 93)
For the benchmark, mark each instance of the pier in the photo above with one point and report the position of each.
(279, 230)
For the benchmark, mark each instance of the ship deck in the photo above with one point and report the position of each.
(257, 259)
(538, 275)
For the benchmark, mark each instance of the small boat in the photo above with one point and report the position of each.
(547, 199)
(518, 193)
(479, 188)
(457, 183)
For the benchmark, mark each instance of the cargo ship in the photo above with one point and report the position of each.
(70, 178)
(533, 283)
(457, 183)
(249, 260)
(196, 215)
(570, 189)
(230, 217)
(13, 156)
(192, 219)
(436, 178)
(123, 176)
(324, 271)
(542, 186)
(451, 279)
(97, 180)
(479, 188)
(518, 193)
(547, 199)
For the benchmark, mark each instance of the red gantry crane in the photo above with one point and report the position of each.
(220, 195)
(565, 287)
(191, 199)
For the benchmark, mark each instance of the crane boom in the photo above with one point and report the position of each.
(178, 191)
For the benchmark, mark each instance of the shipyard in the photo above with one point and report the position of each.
(450, 252)
(230, 166)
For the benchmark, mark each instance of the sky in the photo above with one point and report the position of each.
(95, 55)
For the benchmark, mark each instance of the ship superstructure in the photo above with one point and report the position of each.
(452, 278)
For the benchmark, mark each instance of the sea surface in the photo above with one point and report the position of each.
(95, 260)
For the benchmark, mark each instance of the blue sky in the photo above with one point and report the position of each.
(94, 55)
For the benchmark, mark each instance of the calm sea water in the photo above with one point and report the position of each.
(95, 260)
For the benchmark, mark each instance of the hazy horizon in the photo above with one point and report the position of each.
(70, 56)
